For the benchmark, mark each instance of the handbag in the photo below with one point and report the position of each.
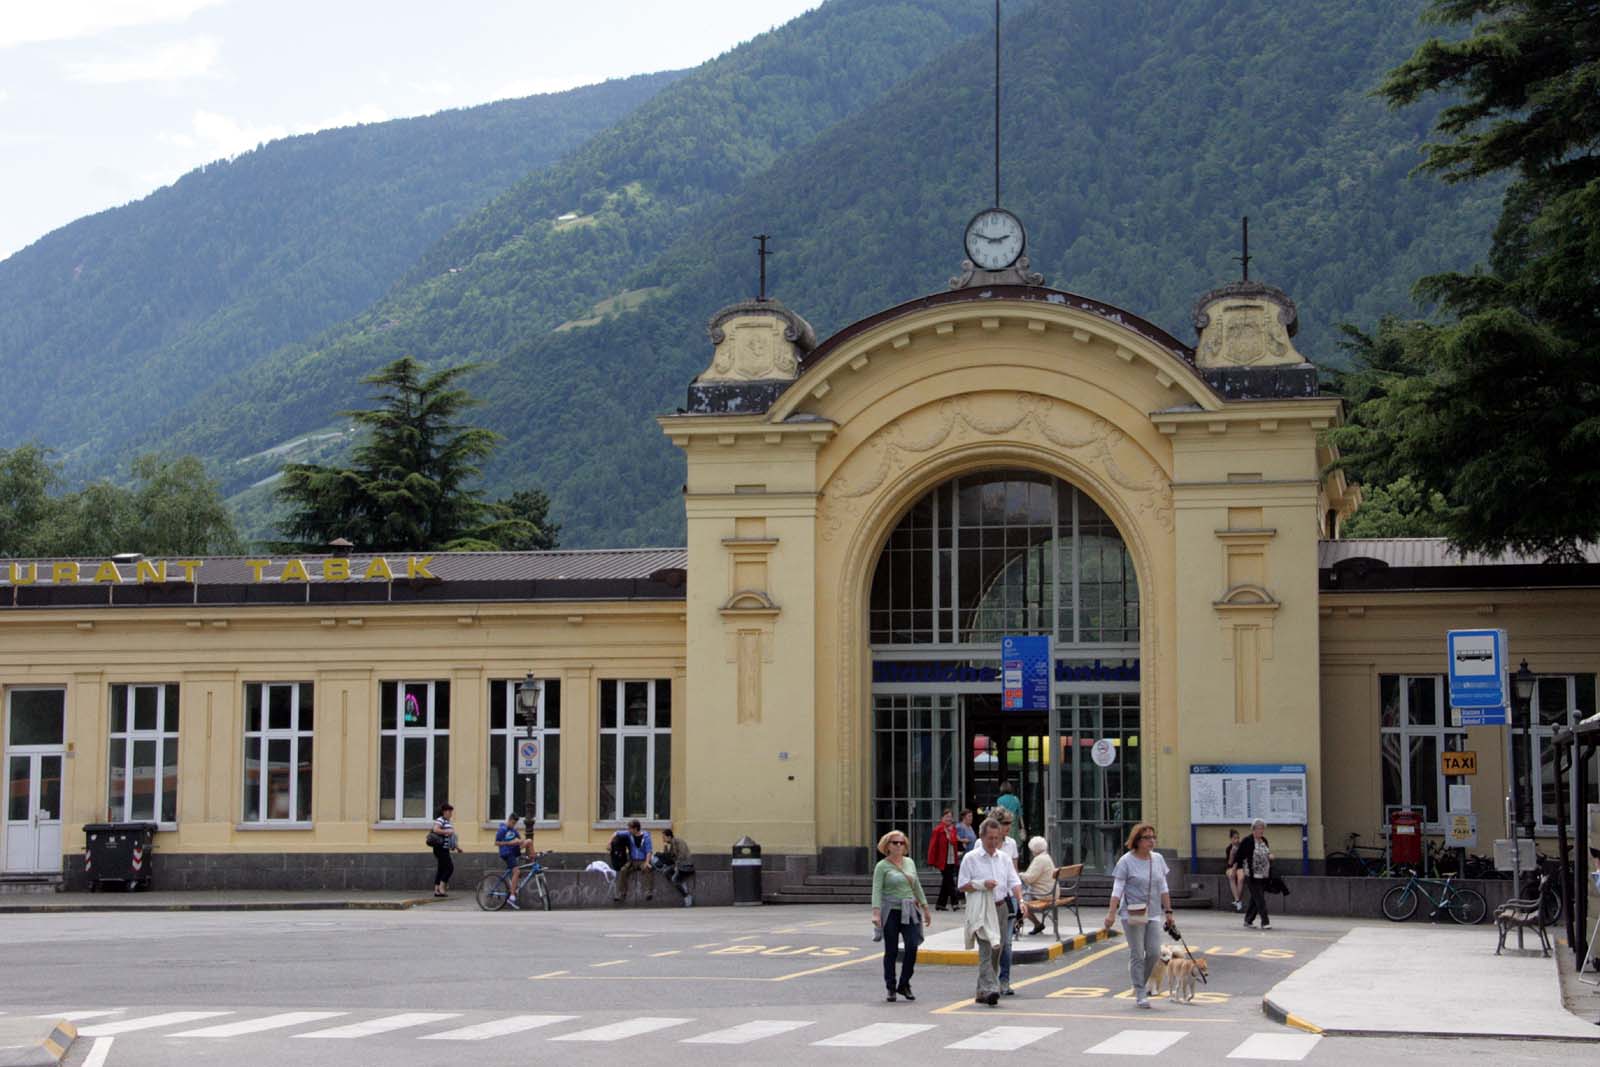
(435, 839)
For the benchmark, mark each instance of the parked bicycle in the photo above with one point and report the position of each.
(1463, 905)
(1366, 861)
(494, 890)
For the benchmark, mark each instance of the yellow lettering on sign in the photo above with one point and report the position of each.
(418, 567)
(1459, 762)
(16, 574)
(145, 571)
(107, 572)
(62, 573)
(189, 567)
(378, 568)
(256, 567)
(294, 571)
(335, 570)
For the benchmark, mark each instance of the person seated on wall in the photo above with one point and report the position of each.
(1038, 884)
(675, 861)
(634, 848)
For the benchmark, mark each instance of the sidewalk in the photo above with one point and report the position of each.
(946, 946)
(196, 900)
(1437, 981)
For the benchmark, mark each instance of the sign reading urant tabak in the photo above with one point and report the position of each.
(159, 571)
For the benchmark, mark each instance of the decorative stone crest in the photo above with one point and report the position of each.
(757, 340)
(1246, 324)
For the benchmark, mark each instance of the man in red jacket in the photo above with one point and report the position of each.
(944, 852)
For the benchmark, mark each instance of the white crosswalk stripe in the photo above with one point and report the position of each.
(256, 1026)
(1291, 1047)
(744, 1033)
(1006, 1038)
(75, 1016)
(149, 1022)
(626, 1028)
(383, 1025)
(1138, 1043)
(874, 1036)
(515, 1024)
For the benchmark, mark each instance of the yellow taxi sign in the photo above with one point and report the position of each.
(1459, 762)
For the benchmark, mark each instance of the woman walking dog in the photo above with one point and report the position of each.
(1139, 896)
(899, 908)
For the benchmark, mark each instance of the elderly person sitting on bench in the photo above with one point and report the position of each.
(1038, 884)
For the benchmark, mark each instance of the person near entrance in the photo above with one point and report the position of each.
(1009, 800)
(1139, 896)
(900, 908)
(988, 877)
(1254, 858)
(965, 833)
(1012, 906)
(944, 856)
(1038, 884)
(635, 841)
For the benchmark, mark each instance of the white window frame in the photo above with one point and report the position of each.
(617, 736)
(401, 733)
(507, 737)
(1449, 738)
(266, 734)
(1540, 738)
(129, 735)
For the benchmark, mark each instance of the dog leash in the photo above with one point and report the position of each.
(1172, 928)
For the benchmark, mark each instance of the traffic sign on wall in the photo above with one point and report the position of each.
(1476, 661)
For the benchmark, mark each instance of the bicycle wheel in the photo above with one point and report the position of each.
(1400, 903)
(1342, 865)
(492, 892)
(1466, 906)
(544, 890)
(1550, 907)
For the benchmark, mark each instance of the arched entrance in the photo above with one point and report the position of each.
(982, 556)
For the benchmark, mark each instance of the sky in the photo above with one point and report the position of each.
(105, 101)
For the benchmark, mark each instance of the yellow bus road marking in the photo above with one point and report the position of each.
(669, 952)
(608, 963)
(1164, 1017)
(819, 922)
(547, 974)
(706, 944)
(829, 967)
(746, 937)
(1058, 972)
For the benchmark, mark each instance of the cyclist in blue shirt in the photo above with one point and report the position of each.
(512, 846)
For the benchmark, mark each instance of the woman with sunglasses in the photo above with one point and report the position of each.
(1139, 896)
(899, 909)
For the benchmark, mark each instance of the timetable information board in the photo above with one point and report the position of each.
(1226, 793)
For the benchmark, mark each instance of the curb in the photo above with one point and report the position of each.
(222, 905)
(968, 957)
(1287, 1018)
(46, 1051)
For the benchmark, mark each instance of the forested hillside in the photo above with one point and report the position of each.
(1136, 133)
(115, 320)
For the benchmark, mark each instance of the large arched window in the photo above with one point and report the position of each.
(1004, 552)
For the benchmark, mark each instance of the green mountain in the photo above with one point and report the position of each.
(1136, 133)
(120, 317)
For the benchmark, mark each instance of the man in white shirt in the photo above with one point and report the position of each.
(987, 869)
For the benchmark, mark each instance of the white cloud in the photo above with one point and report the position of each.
(224, 137)
(175, 61)
(4, 96)
(65, 20)
(513, 90)
(355, 116)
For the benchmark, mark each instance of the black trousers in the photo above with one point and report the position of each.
(446, 866)
(1258, 900)
(947, 886)
(893, 930)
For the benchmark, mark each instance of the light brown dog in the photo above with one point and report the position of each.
(1181, 975)
(1158, 973)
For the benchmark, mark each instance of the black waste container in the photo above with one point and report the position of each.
(119, 852)
(746, 872)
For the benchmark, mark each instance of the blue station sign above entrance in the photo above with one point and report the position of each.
(944, 673)
(1025, 673)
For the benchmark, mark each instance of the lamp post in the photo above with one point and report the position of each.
(1522, 683)
(528, 691)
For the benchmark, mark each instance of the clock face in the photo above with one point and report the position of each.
(995, 239)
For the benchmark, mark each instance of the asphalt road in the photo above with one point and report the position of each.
(449, 984)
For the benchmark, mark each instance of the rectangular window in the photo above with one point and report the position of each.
(1415, 726)
(636, 750)
(1558, 700)
(413, 750)
(506, 787)
(143, 780)
(277, 752)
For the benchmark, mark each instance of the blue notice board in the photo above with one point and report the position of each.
(1025, 668)
(1476, 660)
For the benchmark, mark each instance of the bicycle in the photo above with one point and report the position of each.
(494, 890)
(1463, 905)
(1349, 862)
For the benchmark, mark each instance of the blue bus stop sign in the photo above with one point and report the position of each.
(1025, 673)
(1477, 668)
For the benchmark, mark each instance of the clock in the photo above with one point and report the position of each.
(995, 239)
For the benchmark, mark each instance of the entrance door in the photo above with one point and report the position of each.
(1097, 805)
(1010, 747)
(35, 732)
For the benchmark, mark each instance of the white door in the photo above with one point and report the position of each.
(35, 732)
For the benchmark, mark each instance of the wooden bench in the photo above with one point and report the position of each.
(1522, 915)
(1066, 896)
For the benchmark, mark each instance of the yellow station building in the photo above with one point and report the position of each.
(868, 518)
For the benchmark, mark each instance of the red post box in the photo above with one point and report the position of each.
(1405, 838)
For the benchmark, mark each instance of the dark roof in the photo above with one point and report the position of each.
(598, 574)
(1410, 563)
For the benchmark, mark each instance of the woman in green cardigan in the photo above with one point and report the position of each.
(899, 909)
